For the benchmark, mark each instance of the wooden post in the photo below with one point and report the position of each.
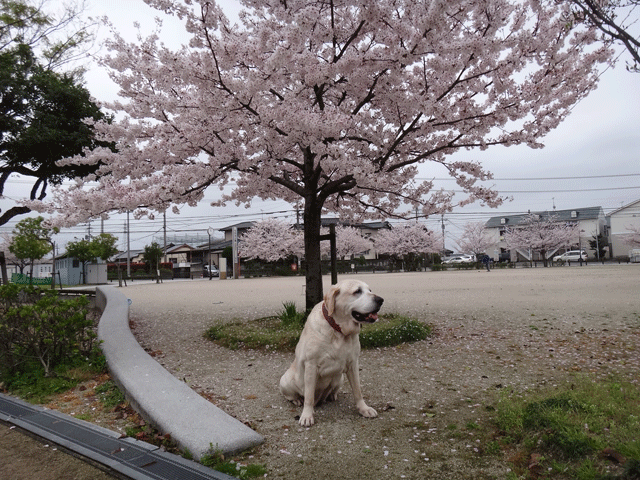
(3, 267)
(334, 253)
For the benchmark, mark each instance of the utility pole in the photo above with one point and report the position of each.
(443, 247)
(164, 227)
(234, 249)
(128, 248)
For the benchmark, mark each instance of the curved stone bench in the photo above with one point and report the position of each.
(159, 397)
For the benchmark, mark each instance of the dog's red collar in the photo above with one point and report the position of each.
(329, 319)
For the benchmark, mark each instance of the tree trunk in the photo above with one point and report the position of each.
(312, 216)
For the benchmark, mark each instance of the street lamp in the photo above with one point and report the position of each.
(210, 231)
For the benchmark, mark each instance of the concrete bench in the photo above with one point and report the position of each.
(159, 397)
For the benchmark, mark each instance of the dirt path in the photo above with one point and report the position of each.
(498, 331)
(25, 458)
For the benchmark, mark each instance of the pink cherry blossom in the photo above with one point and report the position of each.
(475, 239)
(408, 238)
(271, 240)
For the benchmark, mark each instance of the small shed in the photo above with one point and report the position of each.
(69, 272)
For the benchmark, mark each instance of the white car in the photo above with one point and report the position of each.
(460, 259)
(214, 271)
(571, 256)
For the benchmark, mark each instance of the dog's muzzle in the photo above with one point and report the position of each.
(369, 317)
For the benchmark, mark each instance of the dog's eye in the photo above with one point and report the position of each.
(358, 291)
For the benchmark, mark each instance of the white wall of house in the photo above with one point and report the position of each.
(619, 221)
(589, 229)
(42, 270)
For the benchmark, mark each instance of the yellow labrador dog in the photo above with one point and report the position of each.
(329, 347)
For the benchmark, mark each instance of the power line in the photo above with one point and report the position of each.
(563, 190)
(544, 178)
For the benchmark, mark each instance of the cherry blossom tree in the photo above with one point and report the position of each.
(407, 241)
(633, 238)
(349, 242)
(541, 234)
(475, 239)
(616, 19)
(271, 240)
(333, 104)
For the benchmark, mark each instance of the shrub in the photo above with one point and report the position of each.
(38, 329)
(290, 315)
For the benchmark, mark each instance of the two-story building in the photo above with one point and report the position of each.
(591, 223)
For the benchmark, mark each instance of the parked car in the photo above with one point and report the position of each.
(460, 259)
(214, 271)
(571, 256)
(504, 257)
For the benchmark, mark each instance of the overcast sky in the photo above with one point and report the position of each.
(592, 159)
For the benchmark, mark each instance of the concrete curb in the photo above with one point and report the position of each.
(163, 400)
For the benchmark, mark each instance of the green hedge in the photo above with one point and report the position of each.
(23, 279)
(40, 330)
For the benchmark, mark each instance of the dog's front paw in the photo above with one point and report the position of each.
(306, 420)
(367, 411)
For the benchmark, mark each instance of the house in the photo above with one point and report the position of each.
(591, 222)
(213, 251)
(42, 269)
(619, 222)
(184, 257)
(69, 272)
(135, 256)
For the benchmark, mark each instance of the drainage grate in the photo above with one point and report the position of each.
(128, 457)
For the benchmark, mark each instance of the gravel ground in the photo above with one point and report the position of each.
(495, 332)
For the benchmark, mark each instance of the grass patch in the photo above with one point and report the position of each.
(588, 431)
(282, 332)
(263, 333)
(34, 386)
(216, 460)
(109, 394)
(393, 329)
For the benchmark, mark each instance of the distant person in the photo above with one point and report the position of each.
(487, 262)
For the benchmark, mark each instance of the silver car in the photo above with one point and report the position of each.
(214, 271)
(460, 259)
(571, 256)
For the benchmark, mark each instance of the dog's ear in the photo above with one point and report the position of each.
(330, 299)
